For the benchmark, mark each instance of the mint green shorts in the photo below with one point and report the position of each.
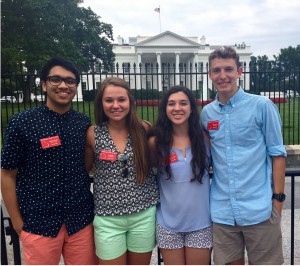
(114, 235)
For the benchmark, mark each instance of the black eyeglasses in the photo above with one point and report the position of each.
(57, 80)
(123, 159)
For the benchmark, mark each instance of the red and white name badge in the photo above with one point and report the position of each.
(108, 156)
(173, 157)
(213, 125)
(50, 142)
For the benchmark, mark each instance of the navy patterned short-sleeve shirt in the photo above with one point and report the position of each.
(52, 183)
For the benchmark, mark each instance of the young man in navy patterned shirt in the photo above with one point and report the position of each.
(44, 183)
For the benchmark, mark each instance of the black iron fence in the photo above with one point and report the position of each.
(10, 237)
(147, 82)
(22, 91)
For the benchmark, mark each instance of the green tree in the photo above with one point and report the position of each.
(260, 74)
(289, 58)
(35, 30)
(288, 63)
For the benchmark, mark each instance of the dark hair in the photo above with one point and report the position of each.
(136, 130)
(164, 134)
(59, 61)
(225, 52)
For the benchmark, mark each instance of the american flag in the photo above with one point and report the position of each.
(157, 9)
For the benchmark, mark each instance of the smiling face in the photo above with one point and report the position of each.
(59, 97)
(116, 104)
(178, 108)
(224, 74)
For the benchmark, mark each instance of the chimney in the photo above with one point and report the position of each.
(203, 40)
(120, 40)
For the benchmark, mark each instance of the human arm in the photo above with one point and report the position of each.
(9, 195)
(147, 125)
(275, 148)
(278, 170)
(153, 151)
(90, 149)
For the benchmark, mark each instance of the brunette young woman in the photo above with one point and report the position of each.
(125, 190)
(179, 150)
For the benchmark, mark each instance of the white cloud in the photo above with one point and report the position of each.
(265, 25)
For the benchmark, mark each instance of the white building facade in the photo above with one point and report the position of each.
(168, 59)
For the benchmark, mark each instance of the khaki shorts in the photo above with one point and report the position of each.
(262, 241)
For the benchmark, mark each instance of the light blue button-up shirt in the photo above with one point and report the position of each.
(245, 133)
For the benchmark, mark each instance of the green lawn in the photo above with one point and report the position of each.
(289, 113)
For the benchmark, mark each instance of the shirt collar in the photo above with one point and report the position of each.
(234, 99)
(46, 109)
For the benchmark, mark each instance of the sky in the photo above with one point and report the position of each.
(265, 25)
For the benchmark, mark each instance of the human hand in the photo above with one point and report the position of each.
(18, 226)
(278, 205)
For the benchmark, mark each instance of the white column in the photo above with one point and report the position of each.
(207, 83)
(158, 59)
(177, 77)
(138, 77)
(195, 61)
(194, 79)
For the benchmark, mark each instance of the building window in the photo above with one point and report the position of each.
(241, 82)
(83, 86)
(126, 67)
(148, 84)
(181, 68)
(200, 66)
(147, 67)
(200, 86)
(98, 84)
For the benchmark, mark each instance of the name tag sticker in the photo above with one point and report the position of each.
(173, 157)
(50, 142)
(213, 125)
(108, 156)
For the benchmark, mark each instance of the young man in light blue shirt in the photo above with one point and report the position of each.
(249, 168)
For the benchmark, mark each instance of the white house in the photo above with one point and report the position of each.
(172, 57)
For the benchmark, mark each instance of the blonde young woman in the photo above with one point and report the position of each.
(125, 191)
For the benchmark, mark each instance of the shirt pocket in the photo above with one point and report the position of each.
(246, 134)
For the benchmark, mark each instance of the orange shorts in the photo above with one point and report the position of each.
(78, 248)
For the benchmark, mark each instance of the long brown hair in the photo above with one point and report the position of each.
(136, 130)
(164, 135)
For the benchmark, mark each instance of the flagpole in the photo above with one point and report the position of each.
(158, 10)
(159, 20)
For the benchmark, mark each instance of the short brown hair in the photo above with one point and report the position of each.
(225, 52)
